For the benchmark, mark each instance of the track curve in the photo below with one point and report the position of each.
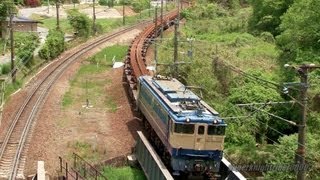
(15, 144)
(135, 62)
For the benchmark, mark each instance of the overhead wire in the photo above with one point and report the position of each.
(273, 115)
(275, 130)
(278, 86)
(270, 127)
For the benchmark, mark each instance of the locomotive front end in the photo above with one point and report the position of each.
(195, 165)
(197, 148)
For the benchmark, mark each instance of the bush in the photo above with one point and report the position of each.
(80, 23)
(18, 2)
(104, 2)
(5, 68)
(25, 44)
(139, 5)
(267, 36)
(44, 52)
(54, 45)
(208, 11)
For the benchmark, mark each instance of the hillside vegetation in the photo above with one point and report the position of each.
(238, 53)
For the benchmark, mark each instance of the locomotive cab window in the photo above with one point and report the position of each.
(184, 128)
(201, 130)
(216, 130)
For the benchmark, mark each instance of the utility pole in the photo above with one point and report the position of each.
(48, 6)
(94, 17)
(57, 10)
(13, 71)
(175, 55)
(156, 34)
(178, 12)
(303, 71)
(149, 8)
(166, 5)
(161, 35)
(123, 14)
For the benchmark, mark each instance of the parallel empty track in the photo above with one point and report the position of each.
(14, 147)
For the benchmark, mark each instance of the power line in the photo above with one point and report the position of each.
(273, 115)
(259, 109)
(251, 115)
(267, 103)
(275, 130)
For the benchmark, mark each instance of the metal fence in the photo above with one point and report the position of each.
(80, 169)
(86, 170)
(67, 172)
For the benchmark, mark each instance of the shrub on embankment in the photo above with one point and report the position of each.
(54, 45)
(26, 43)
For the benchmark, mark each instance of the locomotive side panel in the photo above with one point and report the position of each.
(153, 111)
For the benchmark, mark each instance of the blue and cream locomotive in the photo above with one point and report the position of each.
(187, 133)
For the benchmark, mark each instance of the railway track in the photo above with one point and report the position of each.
(14, 147)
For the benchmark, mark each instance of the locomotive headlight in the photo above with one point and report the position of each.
(188, 120)
(215, 121)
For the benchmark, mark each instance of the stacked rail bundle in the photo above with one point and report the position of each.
(135, 62)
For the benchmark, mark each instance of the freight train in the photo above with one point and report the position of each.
(187, 133)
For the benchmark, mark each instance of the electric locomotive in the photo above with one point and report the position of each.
(187, 132)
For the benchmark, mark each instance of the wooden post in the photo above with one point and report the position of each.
(66, 171)
(60, 158)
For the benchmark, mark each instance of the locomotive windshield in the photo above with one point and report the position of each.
(216, 130)
(184, 128)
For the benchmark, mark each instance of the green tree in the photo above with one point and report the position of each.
(25, 45)
(104, 2)
(266, 15)
(54, 45)
(299, 40)
(250, 92)
(139, 5)
(5, 8)
(80, 23)
(284, 154)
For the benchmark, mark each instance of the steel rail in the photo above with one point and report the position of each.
(66, 62)
(136, 59)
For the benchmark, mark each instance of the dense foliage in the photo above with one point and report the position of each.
(266, 15)
(237, 48)
(80, 23)
(231, 4)
(5, 8)
(54, 45)
(301, 32)
(139, 5)
(25, 44)
(104, 2)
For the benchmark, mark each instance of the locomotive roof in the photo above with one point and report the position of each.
(182, 101)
